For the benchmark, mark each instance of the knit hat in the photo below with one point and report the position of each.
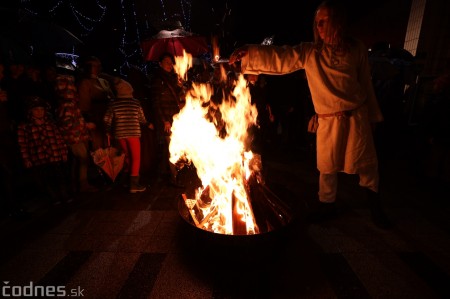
(123, 89)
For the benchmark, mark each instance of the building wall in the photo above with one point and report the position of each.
(427, 36)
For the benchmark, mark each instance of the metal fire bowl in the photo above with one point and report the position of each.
(202, 245)
(207, 251)
(254, 244)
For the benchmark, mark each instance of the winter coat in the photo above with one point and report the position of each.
(41, 143)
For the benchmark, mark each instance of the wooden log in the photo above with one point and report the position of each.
(191, 204)
(239, 226)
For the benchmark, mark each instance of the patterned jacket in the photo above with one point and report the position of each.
(124, 117)
(70, 120)
(41, 143)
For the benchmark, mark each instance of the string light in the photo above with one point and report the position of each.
(58, 4)
(129, 46)
(87, 23)
(186, 16)
(133, 45)
(163, 8)
(78, 15)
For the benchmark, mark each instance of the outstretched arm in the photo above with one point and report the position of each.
(238, 54)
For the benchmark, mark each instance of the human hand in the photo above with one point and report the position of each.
(238, 54)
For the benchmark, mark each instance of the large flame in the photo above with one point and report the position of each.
(221, 160)
(182, 65)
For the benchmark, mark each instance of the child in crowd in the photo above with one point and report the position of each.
(74, 130)
(43, 150)
(123, 119)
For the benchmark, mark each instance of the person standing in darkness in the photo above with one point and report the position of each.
(168, 96)
(95, 93)
(123, 120)
(338, 74)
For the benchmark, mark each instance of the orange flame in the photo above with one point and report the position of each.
(215, 48)
(222, 162)
(182, 65)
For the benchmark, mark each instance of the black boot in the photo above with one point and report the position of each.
(379, 217)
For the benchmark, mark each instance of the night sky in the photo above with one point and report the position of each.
(235, 22)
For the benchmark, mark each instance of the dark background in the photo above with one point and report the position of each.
(116, 37)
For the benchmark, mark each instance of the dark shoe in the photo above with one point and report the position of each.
(325, 211)
(135, 186)
(378, 215)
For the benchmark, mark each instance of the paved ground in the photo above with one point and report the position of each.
(113, 244)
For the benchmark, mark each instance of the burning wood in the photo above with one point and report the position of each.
(233, 198)
(265, 207)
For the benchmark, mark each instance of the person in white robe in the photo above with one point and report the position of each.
(338, 74)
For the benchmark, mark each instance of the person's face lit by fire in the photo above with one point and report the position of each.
(95, 67)
(166, 64)
(323, 24)
(38, 112)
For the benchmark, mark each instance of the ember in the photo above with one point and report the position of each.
(233, 198)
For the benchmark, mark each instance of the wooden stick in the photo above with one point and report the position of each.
(191, 211)
(213, 212)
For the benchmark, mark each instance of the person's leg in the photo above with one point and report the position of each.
(50, 182)
(327, 187)
(72, 175)
(134, 148)
(59, 171)
(81, 155)
(326, 208)
(96, 139)
(369, 180)
(127, 162)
